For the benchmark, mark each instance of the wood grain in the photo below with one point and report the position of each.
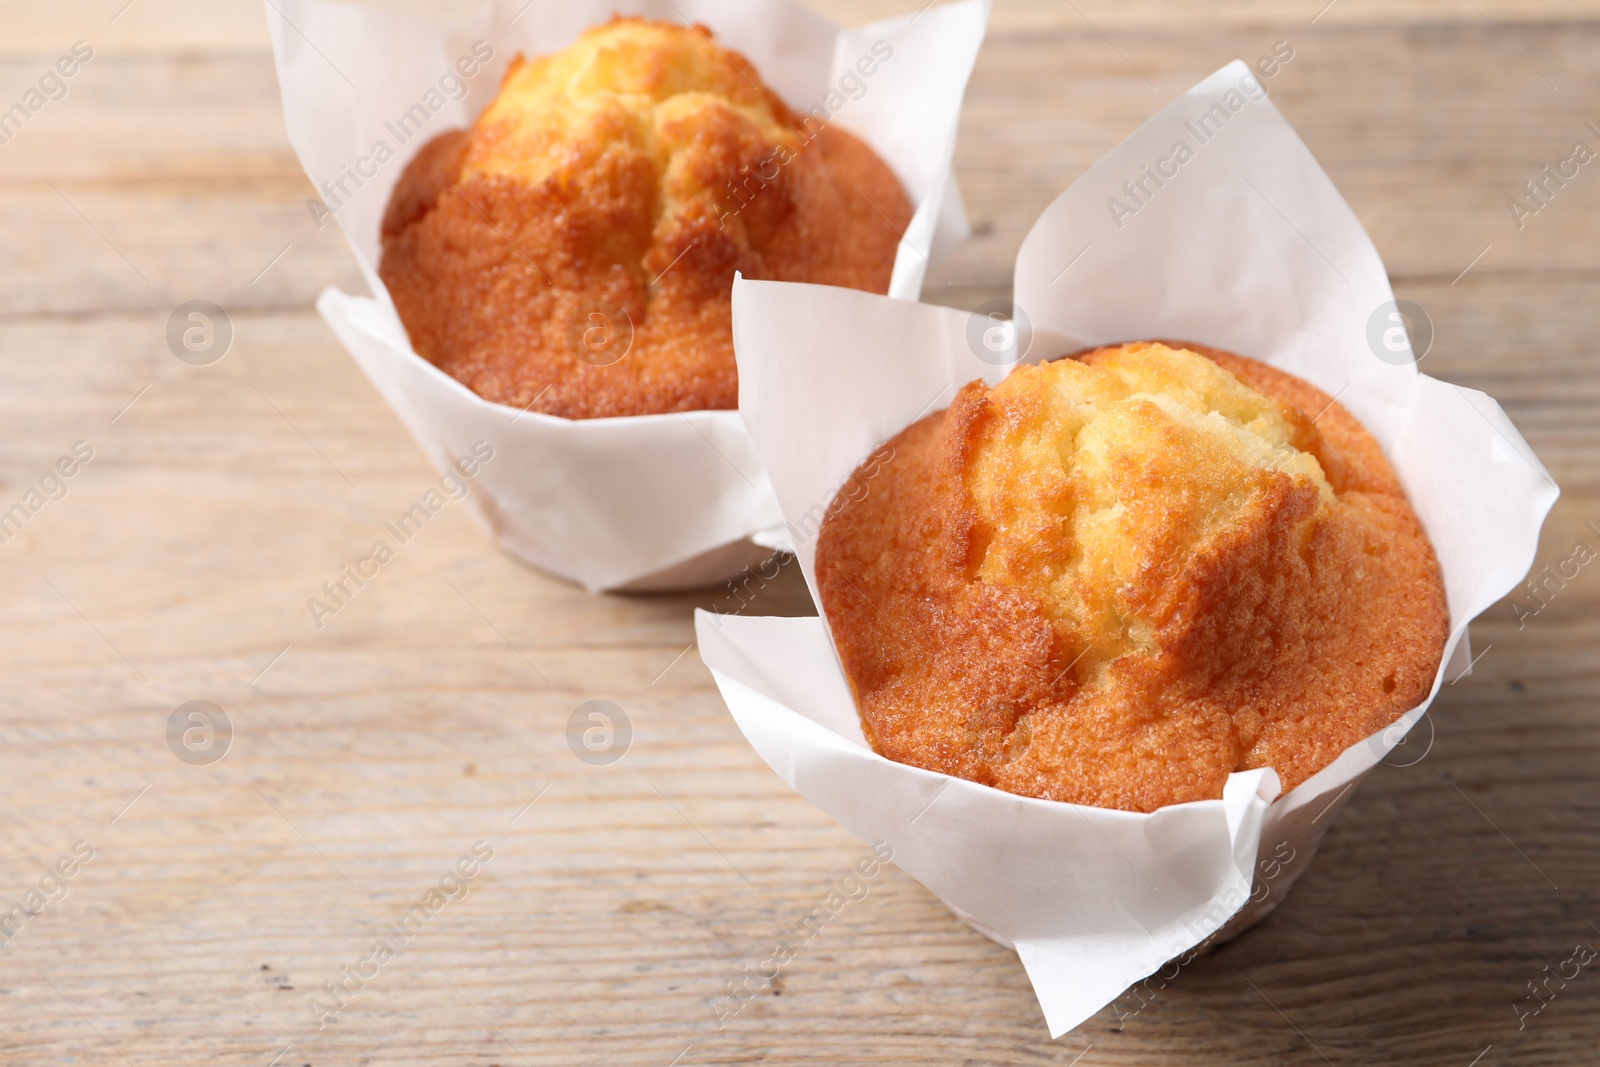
(371, 754)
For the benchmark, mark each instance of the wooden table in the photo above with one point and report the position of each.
(432, 713)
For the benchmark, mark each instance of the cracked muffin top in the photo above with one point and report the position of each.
(1114, 579)
(573, 252)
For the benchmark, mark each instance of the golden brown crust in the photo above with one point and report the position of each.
(628, 176)
(1116, 579)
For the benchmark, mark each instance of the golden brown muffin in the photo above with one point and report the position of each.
(1114, 579)
(626, 177)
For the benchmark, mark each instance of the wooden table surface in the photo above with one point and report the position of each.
(369, 757)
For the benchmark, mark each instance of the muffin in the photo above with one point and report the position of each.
(573, 252)
(1114, 579)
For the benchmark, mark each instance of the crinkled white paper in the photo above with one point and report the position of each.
(666, 501)
(1249, 247)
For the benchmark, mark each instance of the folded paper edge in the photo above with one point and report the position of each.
(695, 569)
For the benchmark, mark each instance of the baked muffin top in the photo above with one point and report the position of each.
(573, 252)
(1117, 578)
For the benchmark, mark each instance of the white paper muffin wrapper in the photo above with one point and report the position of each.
(653, 502)
(1248, 247)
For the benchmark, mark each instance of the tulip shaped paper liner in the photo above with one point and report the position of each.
(652, 502)
(1245, 245)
